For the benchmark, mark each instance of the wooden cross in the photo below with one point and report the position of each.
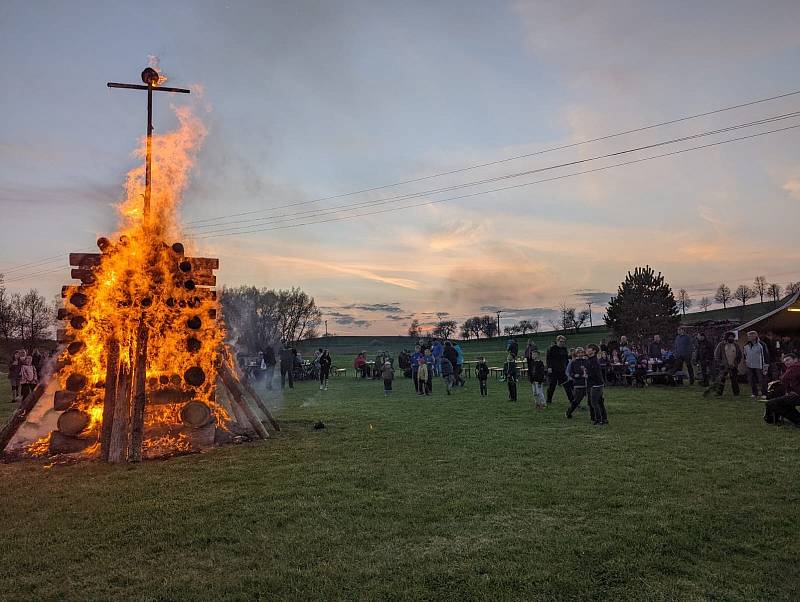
(150, 77)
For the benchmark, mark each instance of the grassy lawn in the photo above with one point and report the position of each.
(6, 408)
(442, 498)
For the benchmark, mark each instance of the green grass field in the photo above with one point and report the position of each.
(440, 498)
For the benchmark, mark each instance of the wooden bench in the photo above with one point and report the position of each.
(339, 371)
(497, 372)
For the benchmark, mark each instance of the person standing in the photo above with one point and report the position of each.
(422, 376)
(324, 361)
(28, 378)
(683, 354)
(557, 358)
(705, 357)
(431, 364)
(578, 372)
(756, 361)
(269, 365)
(387, 373)
(14, 371)
(451, 354)
(287, 365)
(727, 355)
(596, 386)
(437, 351)
(536, 376)
(654, 349)
(510, 372)
(512, 347)
(530, 348)
(446, 369)
(415, 357)
(482, 374)
(459, 365)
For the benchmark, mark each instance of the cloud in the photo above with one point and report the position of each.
(348, 319)
(397, 318)
(792, 186)
(384, 307)
(522, 312)
(596, 297)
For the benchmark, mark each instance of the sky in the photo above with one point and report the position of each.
(309, 100)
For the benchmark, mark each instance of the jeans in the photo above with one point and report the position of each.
(679, 362)
(599, 413)
(555, 380)
(757, 379)
(538, 393)
(484, 388)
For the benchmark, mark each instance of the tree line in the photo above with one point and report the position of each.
(742, 293)
(25, 318)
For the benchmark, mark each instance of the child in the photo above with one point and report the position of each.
(448, 374)
(430, 362)
(28, 377)
(388, 376)
(510, 372)
(482, 374)
(536, 376)
(578, 373)
(422, 377)
(324, 362)
(595, 384)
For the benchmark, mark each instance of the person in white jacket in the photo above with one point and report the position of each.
(756, 360)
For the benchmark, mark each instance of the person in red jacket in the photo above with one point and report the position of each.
(785, 405)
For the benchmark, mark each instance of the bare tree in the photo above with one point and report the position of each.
(414, 330)
(792, 288)
(723, 295)
(743, 293)
(33, 316)
(705, 303)
(580, 319)
(760, 287)
(7, 322)
(444, 329)
(526, 326)
(775, 291)
(488, 326)
(683, 300)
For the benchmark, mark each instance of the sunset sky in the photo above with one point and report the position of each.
(305, 100)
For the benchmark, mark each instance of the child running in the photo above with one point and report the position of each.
(578, 373)
(482, 374)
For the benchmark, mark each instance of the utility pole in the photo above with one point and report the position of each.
(589, 303)
(326, 329)
(498, 323)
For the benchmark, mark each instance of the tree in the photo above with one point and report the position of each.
(488, 326)
(580, 319)
(512, 330)
(760, 287)
(743, 293)
(413, 330)
(684, 301)
(792, 288)
(259, 318)
(444, 329)
(705, 303)
(471, 328)
(526, 326)
(644, 306)
(33, 317)
(723, 295)
(7, 323)
(775, 290)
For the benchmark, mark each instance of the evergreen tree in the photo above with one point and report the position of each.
(644, 306)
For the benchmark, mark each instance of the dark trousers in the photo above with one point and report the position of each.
(484, 388)
(598, 404)
(512, 389)
(27, 389)
(578, 393)
(678, 366)
(785, 407)
(757, 380)
(704, 372)
(415, 378)
(324, 373)
(556, 379)
(287, 370)
(725, 372)
(387, 384)
(429, 383)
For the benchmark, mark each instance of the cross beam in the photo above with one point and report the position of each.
(149, 77)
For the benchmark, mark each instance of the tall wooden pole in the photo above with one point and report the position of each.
(110, 398)
(148, 156)
(139, 392)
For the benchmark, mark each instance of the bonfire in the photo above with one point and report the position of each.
(142, 350)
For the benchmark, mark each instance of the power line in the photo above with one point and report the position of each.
(507, 159)
(473, 194)
(376, 202)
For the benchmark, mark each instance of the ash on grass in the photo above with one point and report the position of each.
(458, 498)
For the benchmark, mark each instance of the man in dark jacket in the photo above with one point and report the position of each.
(287, 365)
(557, 359)
(683, 354)
(705, 357)
(654, 349)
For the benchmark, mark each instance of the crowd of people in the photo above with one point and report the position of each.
(24, 372)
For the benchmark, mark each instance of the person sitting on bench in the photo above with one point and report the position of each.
(785, 405)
